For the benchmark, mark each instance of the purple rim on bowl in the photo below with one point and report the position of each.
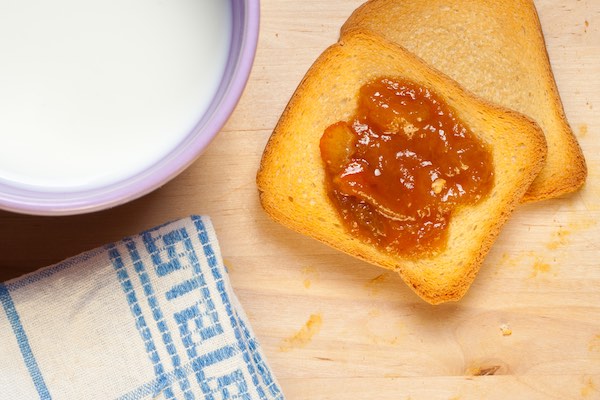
(244, 38)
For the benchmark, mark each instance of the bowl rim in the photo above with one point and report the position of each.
(244, 41)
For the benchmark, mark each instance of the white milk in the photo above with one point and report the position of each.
(94, 91)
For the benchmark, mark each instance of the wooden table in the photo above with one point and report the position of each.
(336, 328)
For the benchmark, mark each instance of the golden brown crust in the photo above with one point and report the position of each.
(495, 49)
(291, 175)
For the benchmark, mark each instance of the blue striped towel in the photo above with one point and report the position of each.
(150, 317)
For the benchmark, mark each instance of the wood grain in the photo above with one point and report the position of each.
(529, 328)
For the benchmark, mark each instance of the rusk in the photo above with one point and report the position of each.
(495, 49)
(291, 178)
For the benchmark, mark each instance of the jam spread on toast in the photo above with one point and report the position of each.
(401, 165)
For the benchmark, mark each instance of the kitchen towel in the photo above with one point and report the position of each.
(150, 317)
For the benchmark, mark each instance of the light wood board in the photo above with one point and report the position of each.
(529, 328)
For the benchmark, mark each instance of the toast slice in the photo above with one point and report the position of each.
(496, 50)
(291, 178)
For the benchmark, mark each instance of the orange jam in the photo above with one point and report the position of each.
(401, 165)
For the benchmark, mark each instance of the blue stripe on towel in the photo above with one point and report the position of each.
(158, 315)
(213, 264)
(19, 331)
(140, 322)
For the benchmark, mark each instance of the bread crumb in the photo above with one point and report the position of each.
(304, 335)
(309, 273)
(559, 238)
(588, 387)
(540, 267)
(509, 261)
(505, 329)
(583, 130)
(595, 344)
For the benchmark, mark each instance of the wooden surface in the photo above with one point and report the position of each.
(337, 328)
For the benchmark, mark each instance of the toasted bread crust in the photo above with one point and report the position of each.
(495, 49)
(291, 175)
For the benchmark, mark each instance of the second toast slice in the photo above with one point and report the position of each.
(291, 179)
(495, 49)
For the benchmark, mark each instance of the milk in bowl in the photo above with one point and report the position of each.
(93, 92)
